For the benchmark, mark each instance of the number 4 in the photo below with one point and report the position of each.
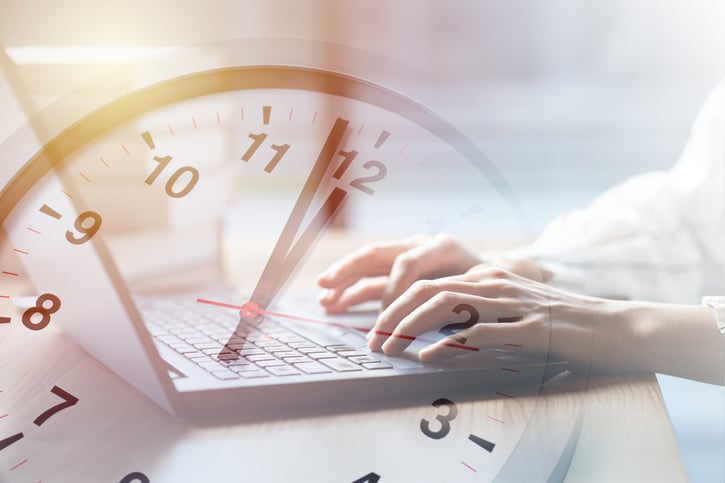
(369, 478)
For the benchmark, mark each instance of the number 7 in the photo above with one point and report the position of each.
(69, 400)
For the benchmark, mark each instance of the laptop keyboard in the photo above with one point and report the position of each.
(201, 334)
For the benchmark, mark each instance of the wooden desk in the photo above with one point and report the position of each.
(114, 430)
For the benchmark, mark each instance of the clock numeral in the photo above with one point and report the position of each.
(369, 478)
(82, 227)
(135, 476)
(87, 231)
(361, 183)
(257, 140)
(452, 328)
(349, 158)
(68, 401)
(173, 188)
(44, 311)
(380, 173)
(444, 420)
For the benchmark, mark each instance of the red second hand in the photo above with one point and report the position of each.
(251, 309)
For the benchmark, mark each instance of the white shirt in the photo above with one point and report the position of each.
(658, 236)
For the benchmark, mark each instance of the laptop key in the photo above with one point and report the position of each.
(365, 359)
(340, 365)
(225, 374)
(270, 363)
(321, 355)
(296, 360)
(312, 368)
(351, 354)
(283, 370)
(377, 365)
(253, 374)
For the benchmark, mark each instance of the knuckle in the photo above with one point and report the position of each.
(422, 287)
(494, 271)
(406, 262)
(444, 298)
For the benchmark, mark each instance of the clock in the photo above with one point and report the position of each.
(203, 169)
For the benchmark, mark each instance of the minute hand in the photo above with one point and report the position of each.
(283, 259)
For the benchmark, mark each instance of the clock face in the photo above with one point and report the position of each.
(188, 183)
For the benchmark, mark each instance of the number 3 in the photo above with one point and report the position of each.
(443, 419)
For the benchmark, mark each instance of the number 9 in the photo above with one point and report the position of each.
(87, 231)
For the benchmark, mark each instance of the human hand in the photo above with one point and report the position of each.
(508, 311)
(384, 270)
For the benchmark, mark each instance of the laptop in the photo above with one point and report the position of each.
(178, 349)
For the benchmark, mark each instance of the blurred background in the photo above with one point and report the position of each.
(566, 97)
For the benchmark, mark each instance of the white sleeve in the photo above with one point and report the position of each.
(658, 236)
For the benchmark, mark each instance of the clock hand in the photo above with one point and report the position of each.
(282, 260)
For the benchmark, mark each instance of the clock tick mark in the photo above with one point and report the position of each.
(469, 466)
(508, 369)
(22, 252)
(266, 113)
(513, 345)
(12, 274)
(171, 129)
(290, 113)
(3, 416)
(105, 163)
(503, 394)
(314, 117)
(125, 150)
(218, 119)
(381, 139)
(5, 320)
(85, 178)
(500, 421)
(148, 139)
(403, 150)
(362, 126)
(33, 230)
(422, 163)
(47, 210)
(483, 443)
(19, 465)
(66, 193)
(7, 297)
(193, 121)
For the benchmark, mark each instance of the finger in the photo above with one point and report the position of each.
(434, 314)
(359, 293)
(371, 260)
(529, 334)
(419, 293)
(437, 257)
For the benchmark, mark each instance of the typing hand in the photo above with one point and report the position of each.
(383, 271)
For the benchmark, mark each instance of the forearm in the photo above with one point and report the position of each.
(681, 340)
(604, 336)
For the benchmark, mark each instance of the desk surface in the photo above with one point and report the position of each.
(114, 431)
